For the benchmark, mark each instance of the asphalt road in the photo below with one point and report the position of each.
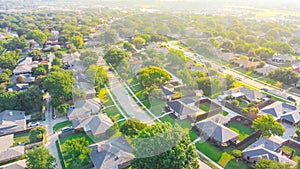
(126, 101)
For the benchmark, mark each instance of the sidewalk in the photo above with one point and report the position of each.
(231, 113)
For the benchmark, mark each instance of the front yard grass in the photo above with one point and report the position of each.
(110, 109)
(223, 158)
(57, 127)
(22, 138)
(182, 123)
(156, 106)
(243, 130)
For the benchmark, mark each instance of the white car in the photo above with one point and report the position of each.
(33, 124)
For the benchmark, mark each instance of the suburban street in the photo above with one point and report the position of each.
(126, 101)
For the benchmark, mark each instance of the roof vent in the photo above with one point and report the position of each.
(10, 113)
(116, 158)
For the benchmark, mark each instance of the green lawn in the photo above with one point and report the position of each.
(223, 158)
(206, 107)
(167, 119)
(57, 127)
(243, 130)
(193, 135)
(156, 107)
(225, 113)
(243, 104)
(183, 123)
(22, 138)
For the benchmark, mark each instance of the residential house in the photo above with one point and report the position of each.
(114, 153)
(86, 84)
(217, 132)
(243, 92)
(85, 108)
(184, 108)
(17, 87)
(12, 121)
(8, 151)
(265, 148)
(265, 70)
(25, 66)
(28, 78)
(227, 56)
(282, 111)
(280, 58)
(21, 164)
(70, 59)
(246, 64)
(97, 125)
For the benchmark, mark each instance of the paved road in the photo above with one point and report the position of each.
(204, 165)
(52, 147)
(126, 101)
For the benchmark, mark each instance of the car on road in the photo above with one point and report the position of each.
(66, 129)
(33, 124)
(290, 98)
(239, 78)
(264, 89)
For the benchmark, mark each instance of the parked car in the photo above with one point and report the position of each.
(290, 98)
(33, 124)
(66, 129)
(264, 89)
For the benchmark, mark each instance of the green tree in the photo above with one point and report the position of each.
(264, 53)
(131, 127)
(78, 151)
(98, 74)
(40, 70)
(280, 47)
(209, 85)
(268, 126)
(37, 134)
(229, 81)
(139, 42)
(59, 85)
(38, 36)
(237, 153)
(115, 56)
(152, 75)
(9, 60)
(128, 46)
(16, 43)
(270, 164)
(36, 54)
(177, 58)
(77, 41)
(186, 75)
(40, 158)
(57, 62)
(174, 144)
(61, 109)
(110, 36)
(285, 75)
(4, 78)
(58, 54)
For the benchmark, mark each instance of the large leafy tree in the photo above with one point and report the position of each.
(98, 75)
(114, 56)
(164, 146)
(270, 164)
(110, 36)
(280, 47)
(268, 126)
(131, 127)
(285, 75)
(36, 54)
(77, 41)
(78, 151)
(40, 158)
(152, 75)
(59, 85)
(38, 36)
(9, 60)
(177, 58)
(139, 42)
(16, 43)
(209, 85)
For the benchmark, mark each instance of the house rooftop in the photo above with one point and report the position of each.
(12, 121)
(7, 151)
(21, 164)
(217, 131)
(97, 124)
(111, 153)
(84, 108)
(181, 108)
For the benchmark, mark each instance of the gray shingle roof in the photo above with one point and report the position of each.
(21, 164)
(217, 131)
(181, 108)
(283, 110)
(12, 121)
(84, 108)
(250, 94)
(111, 153)
(266, 148)
(97, 124)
